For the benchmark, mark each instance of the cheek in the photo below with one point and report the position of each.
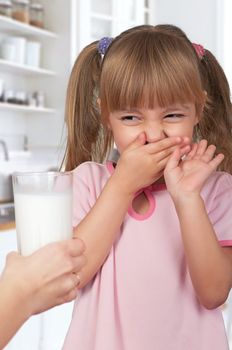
(180, 130)
(123, 138)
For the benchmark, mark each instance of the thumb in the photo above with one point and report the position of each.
(12, 256)
(139, 141)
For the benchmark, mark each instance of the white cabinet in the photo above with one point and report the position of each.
(44, 125)
(94, 19)
(11, 69)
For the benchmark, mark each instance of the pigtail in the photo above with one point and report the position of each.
(216, 123)
(87, 138)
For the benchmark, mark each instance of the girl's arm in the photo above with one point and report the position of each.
(139, 166)
(209, 264)
(29, 285)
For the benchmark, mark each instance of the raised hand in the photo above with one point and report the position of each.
(188, 175)
(141, 163)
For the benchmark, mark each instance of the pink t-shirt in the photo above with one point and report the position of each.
(142, 298)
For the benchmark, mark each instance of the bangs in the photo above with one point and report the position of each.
(149, 69)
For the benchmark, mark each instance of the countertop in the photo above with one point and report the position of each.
(34, 160)
(7, 226)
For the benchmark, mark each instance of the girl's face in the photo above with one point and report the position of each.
(157, 123)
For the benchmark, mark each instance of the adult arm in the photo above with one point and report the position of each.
(32, 284)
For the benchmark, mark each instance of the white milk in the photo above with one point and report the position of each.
(42, 218)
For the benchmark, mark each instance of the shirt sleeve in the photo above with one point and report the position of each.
(88, 179)
(220, 210)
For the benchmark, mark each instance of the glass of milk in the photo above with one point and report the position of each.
(43, 208)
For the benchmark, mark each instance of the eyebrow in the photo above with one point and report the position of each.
(164, 110)
(178, 106)
(131, 110)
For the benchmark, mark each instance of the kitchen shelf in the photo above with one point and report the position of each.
(20, 108)
(11, 25)
(12, 67)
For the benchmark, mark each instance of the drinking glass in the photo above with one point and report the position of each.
(43, 208)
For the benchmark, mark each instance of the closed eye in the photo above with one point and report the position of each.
(174, 116)
(131, 119)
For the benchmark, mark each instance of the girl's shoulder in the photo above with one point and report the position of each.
(220, 178)
(218, 185)
(89, 166)
(91, 170)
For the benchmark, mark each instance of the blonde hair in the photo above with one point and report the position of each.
(216, 123)
(87, 139)
(146, 68)
(143, 66)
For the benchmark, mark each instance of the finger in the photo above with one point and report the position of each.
(185, 150)
(209, 153)
(77, 279)
(160, 166)
(161, 145)
(174, 160)
(186, 140)
(202, 146)
(163, 154)
(162, 157)
(76, 246)
(12, 256)
(139, 141)
(78, 263)
(214, 163)
(71, 295)
(192, 152)
(69, 282)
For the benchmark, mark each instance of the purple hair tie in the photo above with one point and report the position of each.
(103, 45)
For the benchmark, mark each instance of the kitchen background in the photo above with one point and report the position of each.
(39, 41)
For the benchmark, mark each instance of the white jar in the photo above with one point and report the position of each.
(33, 49)
(20, 47)
(7, 51)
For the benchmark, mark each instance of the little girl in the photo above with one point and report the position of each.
(156, 225)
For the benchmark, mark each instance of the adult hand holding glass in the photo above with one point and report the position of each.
(38, 282)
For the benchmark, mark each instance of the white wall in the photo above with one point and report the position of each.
(207, 22)
(198, 18)
(224, 42)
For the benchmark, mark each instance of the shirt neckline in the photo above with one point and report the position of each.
(148, 193)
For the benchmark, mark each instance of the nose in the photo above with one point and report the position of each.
(155, 133)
